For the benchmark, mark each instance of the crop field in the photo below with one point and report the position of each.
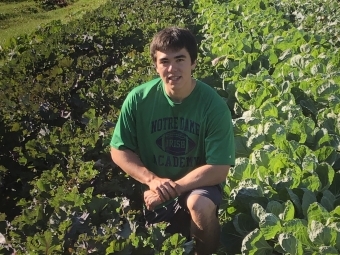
(19, 18)
(275, 62)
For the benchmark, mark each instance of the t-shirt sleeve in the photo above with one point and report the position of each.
(124, 134)
(219, 140)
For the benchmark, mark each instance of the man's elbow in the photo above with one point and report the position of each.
(224, 170)
(114, 154)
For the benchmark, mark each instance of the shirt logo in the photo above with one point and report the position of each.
(175, 143)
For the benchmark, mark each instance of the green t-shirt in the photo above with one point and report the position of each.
(173, 139)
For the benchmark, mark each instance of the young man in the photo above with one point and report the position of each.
(175, 136)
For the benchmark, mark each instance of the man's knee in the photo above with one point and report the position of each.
(201, 206)
(204, 225)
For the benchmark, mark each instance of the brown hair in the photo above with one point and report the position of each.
(174, 38)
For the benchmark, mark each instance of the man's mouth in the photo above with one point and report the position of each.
(174, 78)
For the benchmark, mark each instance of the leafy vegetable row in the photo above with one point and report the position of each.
(283, 85)
(61, 91)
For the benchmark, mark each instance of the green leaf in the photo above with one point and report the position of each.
(326, 175)
(74, 197)
(119, 247)
(326, 154)
(284, 172)
(336, 212)
(242, 169)
(288, 212)
(41, 184)
(309, 161)
(255, 141)
(327, 200)
(174, 241)
(336, 226)
(244, 224)
(328, 250)
(257, 212)
(307, 199)
(295, 199)
(295, 132)
(90, 114)
(66, 62)
(275, 208)
(335, 187)
(273, 59)
(322, 138)
(305, 48)
(15, 127)
(261, 157)
(311, 183)
(247, 193)
(317, 213)
(297, 228)
(242, 150)
(262, 95)
(3, 169)
(309, 105)
(240, 126)
(298, 61)
(286, 54)
(230, 238)
(289, 147)
(321, 235)
(274, 131)
(269, 225)
(255, 244)
(325, 90)
(269, 110)
(243, 95)
(290, 244)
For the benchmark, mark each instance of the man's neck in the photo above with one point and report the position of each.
(178, 96)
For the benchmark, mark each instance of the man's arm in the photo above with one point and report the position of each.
(130, 163)
(206, 175)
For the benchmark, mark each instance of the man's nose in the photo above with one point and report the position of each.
(172, 67)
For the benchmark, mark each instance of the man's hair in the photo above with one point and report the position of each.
(174, 38)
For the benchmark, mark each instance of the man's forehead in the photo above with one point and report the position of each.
(182, 53)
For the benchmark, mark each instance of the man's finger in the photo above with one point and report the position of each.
(162, 193)
(174, 187)
(171, 192)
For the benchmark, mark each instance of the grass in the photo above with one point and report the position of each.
(24, 17)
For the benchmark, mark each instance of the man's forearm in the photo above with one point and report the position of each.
(130, 163)
(206, 175)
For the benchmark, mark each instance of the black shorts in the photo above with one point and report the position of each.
(177, 214)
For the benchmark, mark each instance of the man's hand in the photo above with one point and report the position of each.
(151, 200)
(164, 188)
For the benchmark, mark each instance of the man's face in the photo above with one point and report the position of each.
(175, 68)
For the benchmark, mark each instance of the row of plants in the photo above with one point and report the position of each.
(318, 17)
(61, 91)
(281, 78)
(52, 4)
